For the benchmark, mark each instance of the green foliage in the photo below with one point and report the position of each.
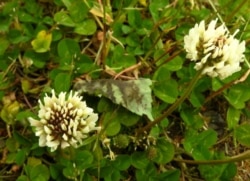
(233, 117)
(199, 144)
(237, 96)
(241, 133)
(37, 172)
(126, 59)
(164, 152)
(165, 87)
(218, 172)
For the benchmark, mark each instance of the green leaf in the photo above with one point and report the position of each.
(218, 172)
(83, 159)
(126, 29)
(121, 58)
(84, 64)
(87, 27)
(55, 171)
(135, 95)
(26, 85)
(21, 139)
(173, 175)
(237, 95)
(127, 118)
(12, 145)
(109, 173)
(22, 178)
(42, 42)
(229, 172)
(112, 124)
(89, 140)
(70, 172)
(139, 160)
(160, 56)
(122, 162)
(105, 105)
(197, 99)
(67, 3)
(62, 82)
(134, 18)
(20, 157)
(165, 87)
(147, 174)
(39, 173)
(78, 10)
(211, 172)
(242, 134)
(16, 36)
(175, 64)
(156, 7)
(192, 119)
(63, 18)
(124, 116)
(68, 48)
(9, 112)
(33, 161)
(165, 152)
(38, 59)
(133, 40)
(233, 117)
(5, 23)
(216, 84)
(4, 45)
(23, 115)
(56, 35)
(10, 158)
(26, 17)
(199, 143)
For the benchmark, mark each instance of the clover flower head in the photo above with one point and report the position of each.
(64, 120)
(214, 50)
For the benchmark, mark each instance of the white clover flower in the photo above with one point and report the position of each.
(214, 49)
(63, 121)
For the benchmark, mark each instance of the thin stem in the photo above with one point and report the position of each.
(232, 15)
(169, 58)
(243, 156)
(216, 93)
(150, 51)
(219, 16)
(173, 106)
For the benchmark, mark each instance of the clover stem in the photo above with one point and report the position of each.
(240, 157)
(173, 106)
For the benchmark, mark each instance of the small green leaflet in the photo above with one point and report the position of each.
(134, 95)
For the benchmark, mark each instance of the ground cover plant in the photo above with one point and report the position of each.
(124, 90)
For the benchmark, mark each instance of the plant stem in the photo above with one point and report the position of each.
(243, 156)
(173, 106)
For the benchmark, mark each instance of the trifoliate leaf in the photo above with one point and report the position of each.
(134, 95)
(63, 18)
(42, 42)
(242, 134)
(87, 27)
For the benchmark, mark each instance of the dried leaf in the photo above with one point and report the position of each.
(135, 95)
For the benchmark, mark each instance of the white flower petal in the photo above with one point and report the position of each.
(42, 140)
(63, 120)
(34, 122)
(214, 49)
(64, 144)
